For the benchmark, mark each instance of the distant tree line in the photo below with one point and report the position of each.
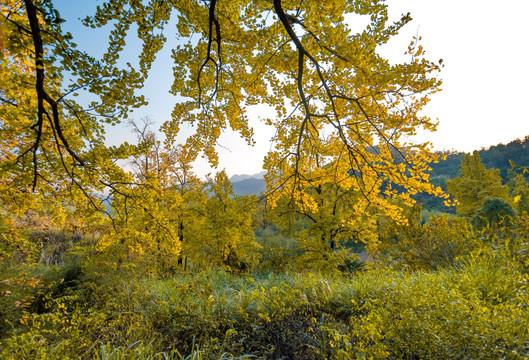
(497, 157)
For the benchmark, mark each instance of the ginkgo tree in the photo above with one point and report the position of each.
(155, 209)
(322, 226)
(53, 157)
(46, 134)
(223, 233)
(520, 193)
(341, 108)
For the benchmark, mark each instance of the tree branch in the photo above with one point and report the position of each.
(42, 95)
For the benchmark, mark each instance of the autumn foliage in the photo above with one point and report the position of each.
(122, 251)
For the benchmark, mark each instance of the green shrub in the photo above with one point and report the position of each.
(494, 214)
(351, 265)
(439, 243)
(447, 315)
(278, 252)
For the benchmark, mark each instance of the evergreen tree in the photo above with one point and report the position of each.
(475, 184)
(520, 193)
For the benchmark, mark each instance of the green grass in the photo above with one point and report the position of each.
(477, 311)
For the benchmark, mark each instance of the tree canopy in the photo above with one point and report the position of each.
(344, 114)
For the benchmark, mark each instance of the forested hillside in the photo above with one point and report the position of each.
(497, 156)
(500, 157)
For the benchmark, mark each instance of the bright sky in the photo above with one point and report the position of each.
(485, 50)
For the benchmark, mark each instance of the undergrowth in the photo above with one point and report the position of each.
(478, 310)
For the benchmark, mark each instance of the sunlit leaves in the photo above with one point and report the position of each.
(342, 108)
(345, 116)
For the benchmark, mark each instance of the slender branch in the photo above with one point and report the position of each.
(9, 102)
(213, 22)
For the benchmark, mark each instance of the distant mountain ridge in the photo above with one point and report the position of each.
(237, 178)
(249, 184)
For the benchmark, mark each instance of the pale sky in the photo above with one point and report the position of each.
(484, 46)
